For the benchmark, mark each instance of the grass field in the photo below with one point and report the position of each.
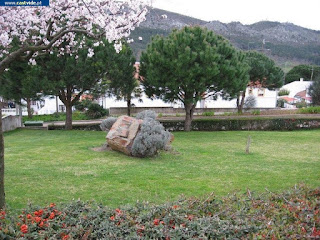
(58, 166)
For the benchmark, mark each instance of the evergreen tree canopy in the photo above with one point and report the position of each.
(302, 71)
(314, 91)
(264, 70)
(69, 76)
(21, 81)
(189, 65)
(121, 74)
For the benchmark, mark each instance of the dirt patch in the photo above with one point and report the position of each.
(103, 148)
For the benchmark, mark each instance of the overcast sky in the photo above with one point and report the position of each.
(305, 13)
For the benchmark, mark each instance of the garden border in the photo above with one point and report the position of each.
(256, 124)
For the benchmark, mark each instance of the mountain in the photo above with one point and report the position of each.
(286, 43)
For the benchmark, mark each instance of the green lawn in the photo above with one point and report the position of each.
(58, 166)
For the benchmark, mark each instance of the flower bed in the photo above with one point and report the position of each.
(291, 215)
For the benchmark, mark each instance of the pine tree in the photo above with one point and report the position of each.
(189, 65)
(121, 74)
(264, 71)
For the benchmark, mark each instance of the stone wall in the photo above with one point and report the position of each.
(10, 123)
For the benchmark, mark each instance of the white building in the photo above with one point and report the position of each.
(298, 91)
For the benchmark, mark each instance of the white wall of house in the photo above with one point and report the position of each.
(50, 106)
(297, 86)
(264, 99)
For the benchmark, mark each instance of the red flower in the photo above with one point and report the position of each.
(112, 218)
(175, 206)
(156, 222)
(118, 211)
(38, 213)
(29, 216)
(41, 224)
(52, 215)
(37, 219)
(66, 237)
(24, 228)
(52, 205)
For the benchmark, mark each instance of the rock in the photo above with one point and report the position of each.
(122, 134)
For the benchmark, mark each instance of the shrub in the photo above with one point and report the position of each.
(106, 124)
(293, 214)
(250, 102)
(208, 114)
(56, 117)
(301, 104)
(82, 105)
(257, 123)
(96, 111)
(146, 114)
(281, 102)
(310, 110)
(256, 112)
(151, 138)
(283, 92)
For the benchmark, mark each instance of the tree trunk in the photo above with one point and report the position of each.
(189, 108)
(29, 109)
(57, 105)
(240, 102)
(2, 194)
(68, 125)
(128, 106)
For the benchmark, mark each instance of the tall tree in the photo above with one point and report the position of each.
(314, 91)
(262, 72)
(308, 72)
(190, 65)
(68, 77)
(121, 73)
(21, 82)
(45, 27)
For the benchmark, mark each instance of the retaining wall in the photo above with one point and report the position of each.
(10, 123)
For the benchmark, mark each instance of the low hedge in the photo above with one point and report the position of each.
(84, 126)
(270, 124)
(294, 214)
(244, 124)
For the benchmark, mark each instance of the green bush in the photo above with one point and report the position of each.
(56, 117)
(310, 110)
(290, 215)
(283, 92)
(208, 114)
(301, 104)
(278, 124)
(255, 112)
(95, 111)
(82, 105)
(281, 102)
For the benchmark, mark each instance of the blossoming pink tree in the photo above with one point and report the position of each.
(39, 29)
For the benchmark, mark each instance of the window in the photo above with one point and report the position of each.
(261, 92)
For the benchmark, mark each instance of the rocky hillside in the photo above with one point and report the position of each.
(284, 42)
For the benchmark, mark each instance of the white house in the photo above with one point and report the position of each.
(298, 92)
(264, 99)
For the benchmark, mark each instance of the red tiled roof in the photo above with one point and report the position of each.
(288, 99)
